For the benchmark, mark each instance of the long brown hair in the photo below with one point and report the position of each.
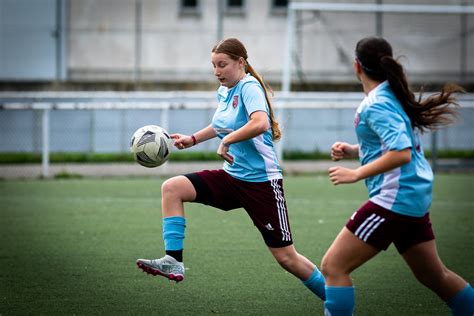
(374, 54)
(235, 50)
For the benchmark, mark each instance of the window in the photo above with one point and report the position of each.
(235, 3)
(189, 3)
(279, 7)
(190, 8)
(235, 7)
(280, 4)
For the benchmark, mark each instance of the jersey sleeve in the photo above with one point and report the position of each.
(389, 126)
(253, 98)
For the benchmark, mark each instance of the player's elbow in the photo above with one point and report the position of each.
(264, 126)
(259, 122)
(404, 156)
(260, 126)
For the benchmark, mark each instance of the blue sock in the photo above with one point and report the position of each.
(173, 232)
(463, 302)
(315, 283)
(339, 300)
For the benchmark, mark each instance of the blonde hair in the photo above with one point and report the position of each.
(235, 50)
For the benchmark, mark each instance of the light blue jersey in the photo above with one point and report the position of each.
(254, 159)
(382, 125)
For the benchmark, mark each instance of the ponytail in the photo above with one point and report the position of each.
(436, 111)
(276, 132)
(375, 56)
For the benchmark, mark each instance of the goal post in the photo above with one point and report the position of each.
(294, 7)
(291, 29)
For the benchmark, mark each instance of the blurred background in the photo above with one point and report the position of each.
(78, 77)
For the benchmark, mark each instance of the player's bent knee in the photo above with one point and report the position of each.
(330, 268)
(285, 259)
(178, 188)
(171, 187)
(325, 269)
(168, 187)
(433, 280)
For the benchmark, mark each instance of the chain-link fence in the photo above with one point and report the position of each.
(96, 123)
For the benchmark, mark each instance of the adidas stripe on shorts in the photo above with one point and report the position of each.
(380, 227)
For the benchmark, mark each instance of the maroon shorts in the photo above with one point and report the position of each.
(380, 227)
(264, 202)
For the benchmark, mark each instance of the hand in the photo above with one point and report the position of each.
(223, 152)
(341, 175)
(340, 150)
(182, 141)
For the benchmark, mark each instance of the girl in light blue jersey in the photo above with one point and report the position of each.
(399, 181)
(251, 177)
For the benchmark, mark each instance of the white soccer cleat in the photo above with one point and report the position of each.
(167, 266)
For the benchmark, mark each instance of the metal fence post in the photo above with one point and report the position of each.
(45, 145)
(92, 132)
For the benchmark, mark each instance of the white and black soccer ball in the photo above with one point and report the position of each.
(151, 146)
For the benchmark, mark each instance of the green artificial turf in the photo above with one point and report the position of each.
(69, 247)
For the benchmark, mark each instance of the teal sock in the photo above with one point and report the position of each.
(339, 300)
(173, 232)
(463, 302)
(315, 284)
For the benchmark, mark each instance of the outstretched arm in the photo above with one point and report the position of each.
(186, 141)
(390, 160)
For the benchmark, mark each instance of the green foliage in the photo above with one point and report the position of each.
(19, 158)
(60, 157)
(66, 175)
(68, 246)
(452, 153)
(305, 155)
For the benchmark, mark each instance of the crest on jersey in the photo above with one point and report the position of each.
(356, 119)
(235, 101)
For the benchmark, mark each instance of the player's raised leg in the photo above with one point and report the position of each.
(428, 268)
(175, 192)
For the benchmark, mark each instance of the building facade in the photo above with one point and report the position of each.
(167, 41)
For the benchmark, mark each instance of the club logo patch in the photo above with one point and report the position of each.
(235, 101)
(356, 120)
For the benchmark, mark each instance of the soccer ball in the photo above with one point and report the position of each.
(151, 146)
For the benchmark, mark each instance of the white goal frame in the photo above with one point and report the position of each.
(293, 7)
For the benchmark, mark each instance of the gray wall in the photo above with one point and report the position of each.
(28, 40)
(101, 42)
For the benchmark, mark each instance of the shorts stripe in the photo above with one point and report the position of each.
(282, 218)
(374, 228)
(375, 221)
(283, 214)
(368, 226)
(367, 220)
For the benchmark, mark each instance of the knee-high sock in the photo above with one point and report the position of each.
(339, 301)
(173, 232)
(316, 283)
(463, 302)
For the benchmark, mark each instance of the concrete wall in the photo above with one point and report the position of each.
(101, 42)
(176, 47)
(28, 40)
